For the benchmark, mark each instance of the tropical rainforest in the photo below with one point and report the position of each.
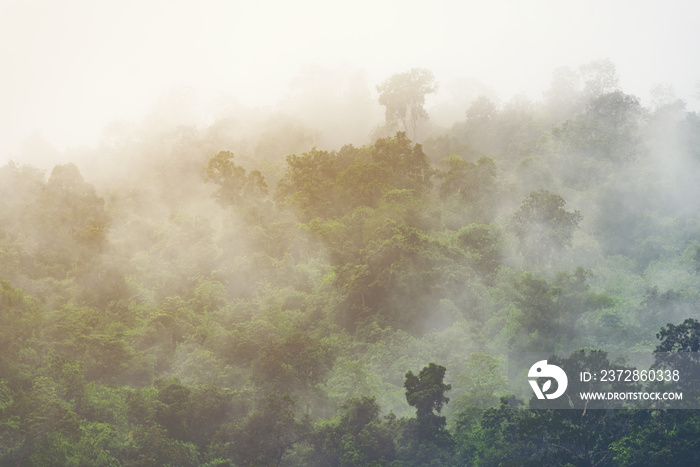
(273, 290)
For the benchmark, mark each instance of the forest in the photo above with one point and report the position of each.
(310, 289)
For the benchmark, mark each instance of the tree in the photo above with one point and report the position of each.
(563, 97)
(426, 392)
(331, 184)
(472, 184)
(479, 385)
(543, 225)
(356, 438)
(682, 338)
(425, 439)
(608, 132)
(397, 277)
(667, 437)
(578, 435)
(481, 110)
(659, 438)
(20, 321)
(403, 95)
(271, 429)
(232, 180)
(151, 446)
(40, 420)
(496, 439)
(678, 351)
(550, 309)
(479, 129)
(309, 183)
(485, 245)
(408, 163)
(68, 222)
(296, 364)
(599, 77)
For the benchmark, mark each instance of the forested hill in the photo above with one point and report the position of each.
(213, 296)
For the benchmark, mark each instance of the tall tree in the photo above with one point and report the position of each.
(426, 439)
(403, 95)
(426, 392)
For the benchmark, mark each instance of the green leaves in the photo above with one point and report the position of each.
(426, 392)
(485, 244)
(232, 181)
(268, 432)
(426, 437)
(297, 364)
(684, 337)
(471, 182)
(399, 277)
(66, 224)
(550, 309)
(333, 184)
(356, 438)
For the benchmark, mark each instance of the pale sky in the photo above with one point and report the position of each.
(71, 67)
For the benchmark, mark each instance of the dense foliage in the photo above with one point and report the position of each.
(350, 307)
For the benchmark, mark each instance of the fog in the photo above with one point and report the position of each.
(215, 240)
(73, 69)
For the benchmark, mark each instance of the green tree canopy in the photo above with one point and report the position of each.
(231, 179)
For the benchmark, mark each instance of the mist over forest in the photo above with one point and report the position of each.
(338, 279)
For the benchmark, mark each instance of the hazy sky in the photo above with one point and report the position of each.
(70, 67)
